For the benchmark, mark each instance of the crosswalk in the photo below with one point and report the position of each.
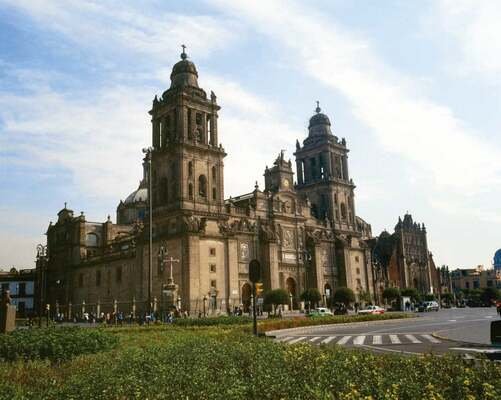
(358, 340)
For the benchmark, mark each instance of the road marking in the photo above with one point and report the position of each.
(378, 339)
(413, 339)
(390, 350)
(359, 340)
(328, 340)
(394, 339)
(297, 339)
(314, 339)
(285, 339)
(431, 339)
(344, 340)
(452, 320)
(489, 316)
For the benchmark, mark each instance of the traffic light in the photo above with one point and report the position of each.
(259, 289)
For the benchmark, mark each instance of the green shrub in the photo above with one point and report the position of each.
(212, 321)
(229, 365)
(54, 344)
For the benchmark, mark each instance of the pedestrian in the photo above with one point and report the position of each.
(356, 308)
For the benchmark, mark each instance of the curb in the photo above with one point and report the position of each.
(304, 329)
(461, 342)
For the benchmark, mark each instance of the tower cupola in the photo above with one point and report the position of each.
(184, 72)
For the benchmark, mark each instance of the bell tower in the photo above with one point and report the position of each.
(187, 158)
(322, 174)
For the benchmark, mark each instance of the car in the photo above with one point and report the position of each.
(431, 306)
(372, 310)
(320, 312)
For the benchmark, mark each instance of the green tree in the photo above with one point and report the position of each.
(311, 296)
(429, 297)
(275, 298)
(412, 293)
(391, 294)
(489, 295)
(365, 296)
(343, 295)
(448, 298)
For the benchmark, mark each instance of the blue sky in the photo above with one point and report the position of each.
(412, 86)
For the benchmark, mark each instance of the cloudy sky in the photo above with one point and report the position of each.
(414, 87)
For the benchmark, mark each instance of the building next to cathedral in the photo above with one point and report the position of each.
(305, 234)
(402, 260)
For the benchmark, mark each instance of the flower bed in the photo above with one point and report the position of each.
(215, 364)
(53, 344)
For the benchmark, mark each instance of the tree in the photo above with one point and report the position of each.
(447, 298)
(365, 296)
(390, 294)
(429, 297)
(311, 296)
(275, 298)
(489, 295)
(412, 293)
(343, 295)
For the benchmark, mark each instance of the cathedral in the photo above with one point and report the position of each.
(302, 226)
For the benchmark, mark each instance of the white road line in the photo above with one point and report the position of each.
(359, 340)
(378, 339)
(431, 339)
(328, 340)
(394, 339)
(297, 339)
(452, 320)
(489, 316)
(285, 339)
(344, 340)
(413, 339)
(314, 339)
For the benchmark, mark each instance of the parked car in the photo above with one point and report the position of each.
(320, 312)
(372, 310)
(432, 306)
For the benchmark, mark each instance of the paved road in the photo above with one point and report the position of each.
(436, 332)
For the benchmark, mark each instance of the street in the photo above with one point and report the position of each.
(435, 332)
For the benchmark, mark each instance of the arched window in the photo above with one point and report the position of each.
(92, 240)
(214, 173)
(202, 186)
(190, 169)
(343, 211)
(314, 210)
(214, 194)
(190, 191)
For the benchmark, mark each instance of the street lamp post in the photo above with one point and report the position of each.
(42, 256)
(148, 153)
(205, 301)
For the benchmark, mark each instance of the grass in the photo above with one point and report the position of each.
(224, 362)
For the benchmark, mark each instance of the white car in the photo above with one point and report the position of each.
(372, 310)
(320, 311)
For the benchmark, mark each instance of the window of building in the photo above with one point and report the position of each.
(467, 285)
(213, 173)
(22, 289)
(357, 259)
(359, 283)
(476, 284)
(212, 251)
(343, 211)
(202, 186)
(80, 280)
(98, 278)
(198, 119)
(119, 274)
(212, 268)
(190, 191)
(5, 287)
(92, 240)
(358, 271)
(213, 283)
(214, 194)
(489, 283)
(190, 169)
(21, 307)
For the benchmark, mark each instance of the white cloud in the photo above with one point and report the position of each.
(475, 29)
(386, 101)
(112, 27)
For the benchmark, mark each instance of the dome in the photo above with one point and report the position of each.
(139, 195)
(497, 259)
(184, 73)
(320, 124)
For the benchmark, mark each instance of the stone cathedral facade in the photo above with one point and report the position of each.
(304, 231)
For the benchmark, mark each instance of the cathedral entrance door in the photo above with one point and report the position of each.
(246, 297)
(290, 284)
